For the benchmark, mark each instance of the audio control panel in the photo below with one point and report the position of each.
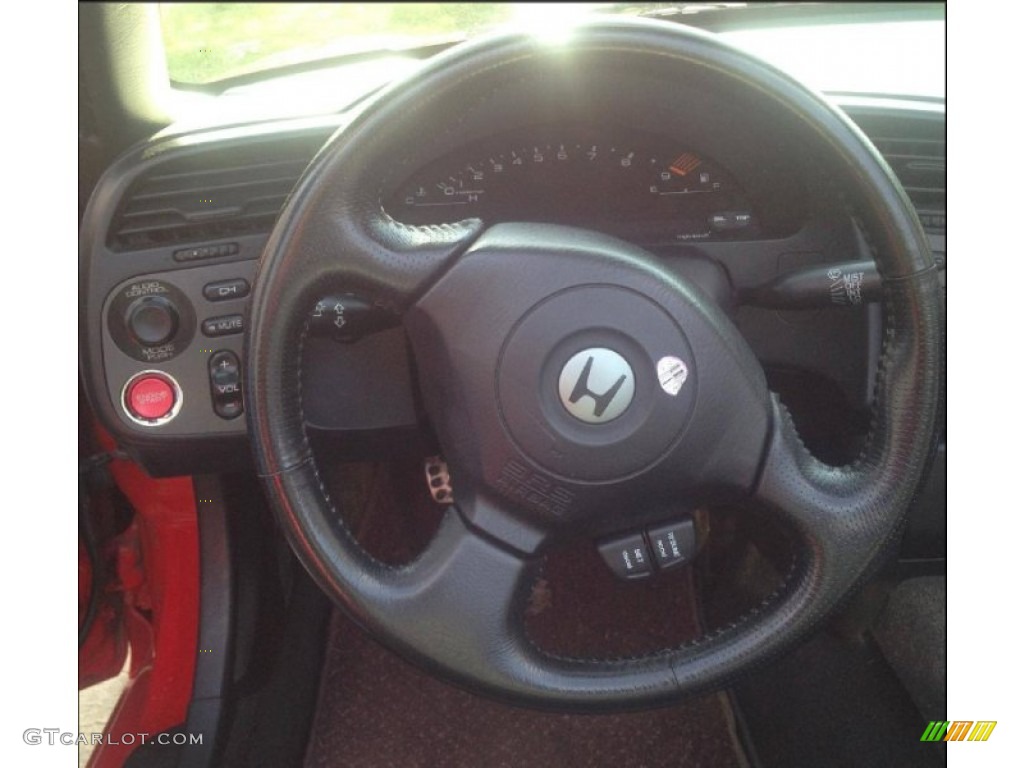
(172, 350)
(163, 312)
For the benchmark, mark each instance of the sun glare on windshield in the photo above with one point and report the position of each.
(212, 42)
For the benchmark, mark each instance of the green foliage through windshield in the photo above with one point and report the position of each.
(206, 42)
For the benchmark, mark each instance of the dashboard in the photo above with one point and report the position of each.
(172, 236)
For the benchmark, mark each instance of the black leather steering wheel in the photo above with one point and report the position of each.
(494, 316)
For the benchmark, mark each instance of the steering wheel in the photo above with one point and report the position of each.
(549, 361)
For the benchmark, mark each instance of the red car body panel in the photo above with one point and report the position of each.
(157, 564)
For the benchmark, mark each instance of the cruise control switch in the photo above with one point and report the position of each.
(349, 318)
(660, 547)
(673, 544)
(627, 556)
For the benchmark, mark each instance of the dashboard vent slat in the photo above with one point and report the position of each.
(219, 186)
(916, 152)
(207, 193)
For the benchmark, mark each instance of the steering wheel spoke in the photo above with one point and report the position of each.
(465, 597)
(461, 600)
(805, 493)
(853, 512)
(338, 244)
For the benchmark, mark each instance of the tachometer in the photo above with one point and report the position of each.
(633, 185)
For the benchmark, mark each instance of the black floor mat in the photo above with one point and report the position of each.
(833, 703)
(911, 633)
(377, 711)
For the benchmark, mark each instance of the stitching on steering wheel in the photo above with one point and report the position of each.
(748, 615)
(304, 333)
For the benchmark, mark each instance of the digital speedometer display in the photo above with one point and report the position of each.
(640, 186)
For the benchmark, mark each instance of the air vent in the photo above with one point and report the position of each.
(915, 149)
(211, 193)
(921, 168)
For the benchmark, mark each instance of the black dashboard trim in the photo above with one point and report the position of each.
(101, 268)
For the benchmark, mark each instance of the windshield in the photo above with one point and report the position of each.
(206, 42)
(213, 42)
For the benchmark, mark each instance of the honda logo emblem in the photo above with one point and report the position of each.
(596, 385)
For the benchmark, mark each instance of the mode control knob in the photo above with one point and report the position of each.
(152, 320)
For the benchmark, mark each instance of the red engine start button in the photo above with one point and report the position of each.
(150, 397)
